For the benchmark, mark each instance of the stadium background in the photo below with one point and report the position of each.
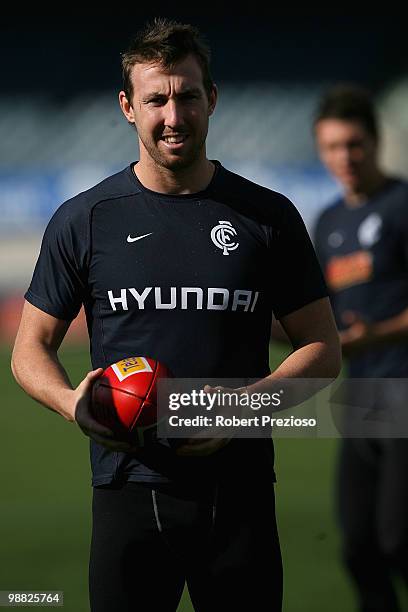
(61, 131)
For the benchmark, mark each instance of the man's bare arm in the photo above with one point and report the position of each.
(362, 335)
(35, 362)
(315, 340)
(39, 372)
(317, 355)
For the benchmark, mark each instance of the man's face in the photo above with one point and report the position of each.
(171, 109)
(348, 151)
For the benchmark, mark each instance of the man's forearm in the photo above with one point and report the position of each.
(39, 372)
(361, 335)
(315, 362)
(395, 328)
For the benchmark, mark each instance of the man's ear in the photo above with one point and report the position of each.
(212, 100)
(127, 108)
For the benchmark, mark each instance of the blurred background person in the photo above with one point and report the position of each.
(362, 244)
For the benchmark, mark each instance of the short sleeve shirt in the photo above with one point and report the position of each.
(364, 254)
(190, 280)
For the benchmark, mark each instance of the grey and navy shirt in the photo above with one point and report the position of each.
(364, 254)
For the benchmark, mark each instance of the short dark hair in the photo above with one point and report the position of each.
(349, 102)
(166, 42)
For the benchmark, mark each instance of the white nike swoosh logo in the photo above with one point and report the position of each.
(130, 239)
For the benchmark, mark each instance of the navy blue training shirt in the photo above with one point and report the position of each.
(189, 280)
(364, 254)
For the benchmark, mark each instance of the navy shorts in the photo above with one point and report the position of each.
(148, 540)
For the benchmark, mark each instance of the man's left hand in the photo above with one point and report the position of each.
(358, 336)
(199, 446)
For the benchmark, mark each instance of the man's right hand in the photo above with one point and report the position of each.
(85, 420)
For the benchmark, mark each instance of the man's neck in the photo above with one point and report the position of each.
(193, 179)
(355, 198)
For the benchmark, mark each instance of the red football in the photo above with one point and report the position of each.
(124, 397)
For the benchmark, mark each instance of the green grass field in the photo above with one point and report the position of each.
(45, 506)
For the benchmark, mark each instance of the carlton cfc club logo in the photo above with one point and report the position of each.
(222, 236)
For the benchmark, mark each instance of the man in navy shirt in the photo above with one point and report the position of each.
(362, 244)
(181, 260)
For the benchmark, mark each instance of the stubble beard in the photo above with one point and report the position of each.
(172, 162)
